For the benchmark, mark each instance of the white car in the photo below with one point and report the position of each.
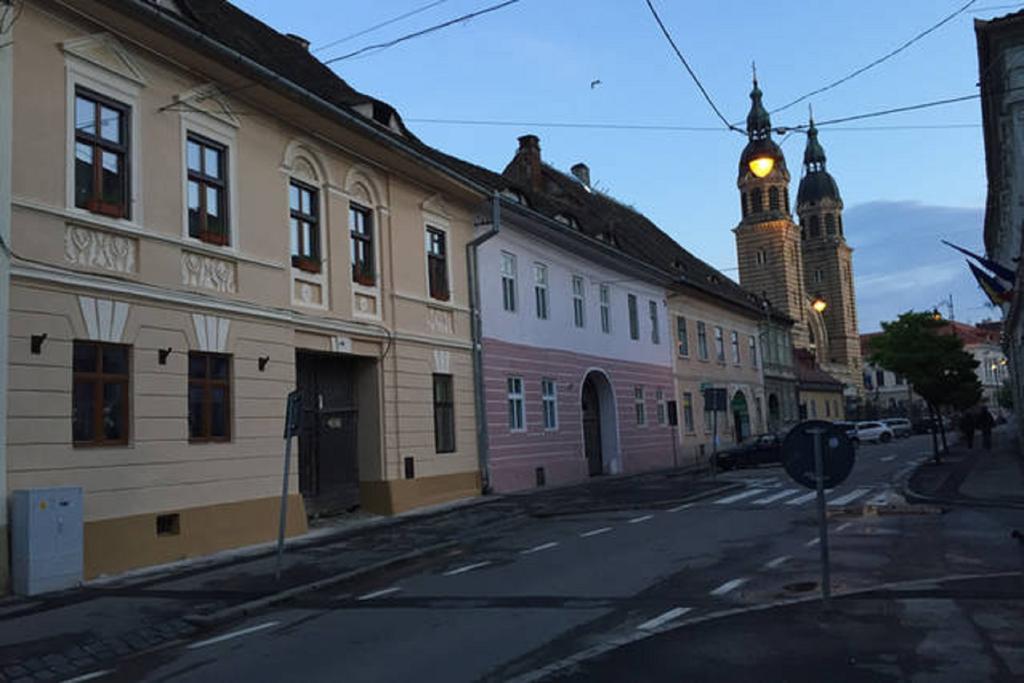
(900, 426)
(872, 431)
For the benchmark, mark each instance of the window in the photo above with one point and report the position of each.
(743, 204)
(753, 351)
(702, 340)
(549, 401)
(659, 397)
(638, 401)
(719, 343)
(101, 155)
(508, 282)
(207, 190)
(437, 264)
(682, 338)
(880, 378)
(830, 224)
(818, 276)
(734, 337)
(360, 224)
(540, 290)
(516, 421)
(815, 226)
(756, 200)
(761, 257)
(606, 310)
(634, 318)
(652, 308)
(99, 400)
(773, 198)
(814, 408)
(304, 210)
(444, 414)
(828, 409)
(577, 301)
(209, 396)
(688, 412)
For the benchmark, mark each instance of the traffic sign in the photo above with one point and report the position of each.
(837, 453)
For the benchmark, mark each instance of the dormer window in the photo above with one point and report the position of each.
(569, 220)
(515, 196)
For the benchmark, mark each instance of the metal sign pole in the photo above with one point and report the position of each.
(291, 426)
(819, 471)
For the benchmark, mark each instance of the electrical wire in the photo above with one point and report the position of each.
(679, 54)
(880, 60)
(656, 127)
(418, 10)
(423, 32)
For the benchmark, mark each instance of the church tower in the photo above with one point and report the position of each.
(767, 239)
(828, 266)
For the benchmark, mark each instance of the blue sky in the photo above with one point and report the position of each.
(534, 62)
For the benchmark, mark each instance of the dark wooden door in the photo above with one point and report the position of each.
(328, 458)
(592, 429)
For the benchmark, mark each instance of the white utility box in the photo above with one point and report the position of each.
(46, 539)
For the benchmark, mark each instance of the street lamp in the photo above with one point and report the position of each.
(761, 166)
(936, 316)
(819, 305)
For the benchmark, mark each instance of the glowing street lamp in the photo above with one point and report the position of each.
(761, 166)
(819, 305)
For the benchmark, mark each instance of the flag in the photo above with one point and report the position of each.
(997, 293)
(1001, 272)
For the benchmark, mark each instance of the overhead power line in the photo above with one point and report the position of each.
(423, 32)
(883, 58)
(886, 112)
(655, 127)
(679, 54)
(371, 29)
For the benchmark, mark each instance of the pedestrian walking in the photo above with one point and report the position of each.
(985, 423)
(967, 426)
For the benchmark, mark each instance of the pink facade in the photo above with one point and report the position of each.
(516, 455)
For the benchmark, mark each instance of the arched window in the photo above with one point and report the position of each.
(773, 198)
(830, 224)
(743, 204)
(785, 201)
(756, 200)
(839, 222)
(815, 226)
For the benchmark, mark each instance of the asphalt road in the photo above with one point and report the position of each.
(526, 600)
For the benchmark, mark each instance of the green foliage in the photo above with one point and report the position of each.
(1004, 397)
(935, 363)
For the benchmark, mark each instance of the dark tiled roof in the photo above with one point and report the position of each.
(809, 375)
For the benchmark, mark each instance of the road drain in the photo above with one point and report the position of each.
(801, 586)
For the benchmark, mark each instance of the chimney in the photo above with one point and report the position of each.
(529, 153)
(302, 42)
(582, 173)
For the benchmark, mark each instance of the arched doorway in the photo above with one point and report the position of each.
(600, 427)
(774, 413)
(740, 417)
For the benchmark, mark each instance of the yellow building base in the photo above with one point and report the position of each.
(393, 497)
(117, 545)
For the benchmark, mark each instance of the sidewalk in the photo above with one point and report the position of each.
(56, 636)
(976, 477)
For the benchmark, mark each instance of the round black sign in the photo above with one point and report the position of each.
(836, 453)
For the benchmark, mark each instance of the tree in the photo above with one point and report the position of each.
(1004, 397)
(941, 372)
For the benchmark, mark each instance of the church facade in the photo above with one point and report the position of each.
(803, 268)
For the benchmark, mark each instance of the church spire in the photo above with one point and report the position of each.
(759, 122)
(814, 153)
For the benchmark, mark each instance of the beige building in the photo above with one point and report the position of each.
(204, 219)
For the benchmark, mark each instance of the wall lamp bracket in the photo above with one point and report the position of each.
(263, 360)
(163, 355)
(37, 343)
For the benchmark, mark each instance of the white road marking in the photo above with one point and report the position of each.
(467, 568)
(89, 676)
(377, 594)
(777, 562)
(538, 548)
(680, 508)
(233, 634)
(812, 542)
(728, 587)
(668, 616)
(739, 496)
(800, 500)
(850, 497)
(888, 458)
(844, 526)
(637, 520)
(595, 532)
(775, 496)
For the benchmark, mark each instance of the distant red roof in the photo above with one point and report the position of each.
(982, 333)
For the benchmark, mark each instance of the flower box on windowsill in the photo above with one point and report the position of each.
(363, 278)
(442, 295)
(307, 264)
(219, 239)
(105, 208)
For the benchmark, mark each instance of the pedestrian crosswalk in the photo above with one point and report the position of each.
(765, 492)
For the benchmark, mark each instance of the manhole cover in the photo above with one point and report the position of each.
(801, 586)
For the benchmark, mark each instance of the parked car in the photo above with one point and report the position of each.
(758, 450)
(900, 426)
(872, 431)
(850, 427)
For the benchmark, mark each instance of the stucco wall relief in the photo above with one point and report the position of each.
(208, 272)
(100, 249)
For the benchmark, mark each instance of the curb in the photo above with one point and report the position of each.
(918, 498)
(236, 611)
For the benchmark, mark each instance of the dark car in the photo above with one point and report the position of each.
(758, 450)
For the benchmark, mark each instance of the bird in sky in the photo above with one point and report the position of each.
(594, 84)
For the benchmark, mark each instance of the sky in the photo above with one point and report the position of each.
(905, 183)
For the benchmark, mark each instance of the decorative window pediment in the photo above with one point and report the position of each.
(207, 99)
(104, 51)
(435, 204)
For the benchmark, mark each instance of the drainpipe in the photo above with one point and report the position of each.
(476, 336)
(6, 138)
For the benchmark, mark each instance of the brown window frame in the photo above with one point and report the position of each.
(204, 180)
(444, 413)
(99, 144)
(310, 221)
(363, 271)
(437, 264)
(207, 383)
(100, 379)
